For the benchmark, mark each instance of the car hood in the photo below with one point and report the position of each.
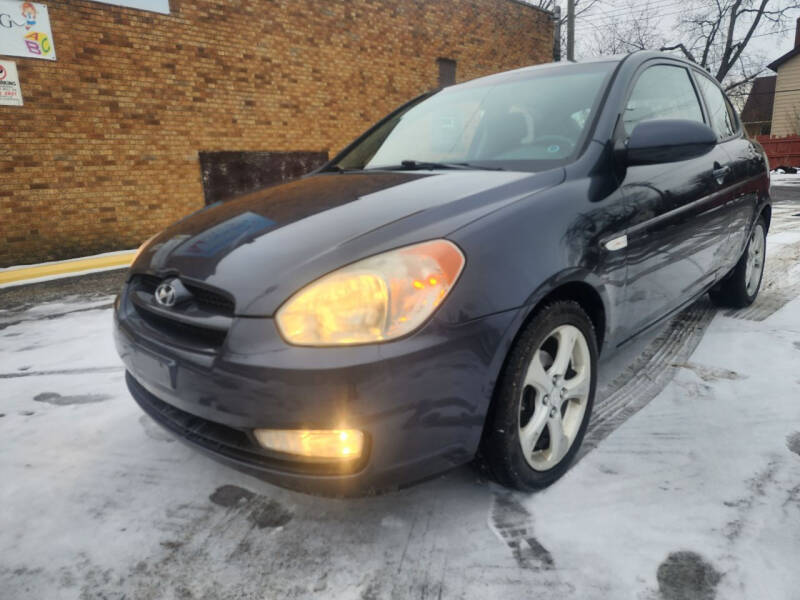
(263, 247)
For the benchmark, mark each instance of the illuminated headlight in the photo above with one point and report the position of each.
(313, 443)
(376, 299)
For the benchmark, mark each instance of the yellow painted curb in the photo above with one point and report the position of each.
(68, 266)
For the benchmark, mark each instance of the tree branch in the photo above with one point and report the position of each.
(680, 47)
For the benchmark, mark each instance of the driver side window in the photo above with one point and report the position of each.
(662, 92)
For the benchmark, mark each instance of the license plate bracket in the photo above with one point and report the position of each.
(158, 369)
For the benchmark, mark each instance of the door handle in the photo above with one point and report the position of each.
(720, 173)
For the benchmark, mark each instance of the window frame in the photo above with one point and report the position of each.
(737, 122)
(661, 63)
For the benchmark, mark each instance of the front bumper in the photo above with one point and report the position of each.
(421, 400)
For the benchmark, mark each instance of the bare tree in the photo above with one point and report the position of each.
(716, 35)
(637, 30)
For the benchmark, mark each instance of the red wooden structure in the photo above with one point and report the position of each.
(781, 151)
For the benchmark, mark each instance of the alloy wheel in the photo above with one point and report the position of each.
(555, 394)
(755, 259)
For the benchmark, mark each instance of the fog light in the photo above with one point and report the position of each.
(313, 443)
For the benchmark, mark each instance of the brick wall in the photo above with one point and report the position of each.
(105, 151)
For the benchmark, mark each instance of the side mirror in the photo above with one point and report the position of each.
(666, 140)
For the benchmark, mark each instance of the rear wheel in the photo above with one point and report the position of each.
(543, 399)
(740, 287)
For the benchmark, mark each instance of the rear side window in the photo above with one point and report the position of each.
(662, 92)
(719, 110)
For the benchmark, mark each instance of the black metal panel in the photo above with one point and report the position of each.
(228, 174)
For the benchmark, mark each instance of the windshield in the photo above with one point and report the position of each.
(534, 121)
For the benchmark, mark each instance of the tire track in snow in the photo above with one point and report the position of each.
(643, 380)
(634, 388)
(780, 285)
(776, 289)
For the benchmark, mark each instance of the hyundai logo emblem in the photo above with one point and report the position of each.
(165, 294)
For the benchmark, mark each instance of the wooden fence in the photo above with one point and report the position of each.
(781, 151)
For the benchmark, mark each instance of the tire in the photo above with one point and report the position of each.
(523, 402)
(740, 287)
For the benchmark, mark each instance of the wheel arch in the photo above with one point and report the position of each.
(589, 300)
(579, 290)
(575, 286)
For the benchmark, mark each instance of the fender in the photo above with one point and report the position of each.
(547, 288)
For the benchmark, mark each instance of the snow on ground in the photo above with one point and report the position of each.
(711, 467)
(780, 177)
(690, 486)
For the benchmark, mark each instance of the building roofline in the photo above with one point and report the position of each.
(773, 66)
(549, 13)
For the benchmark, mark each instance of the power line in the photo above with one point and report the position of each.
(586, 26)
(622, 11)
(589, 21)
(612, 16)
(656, 16)
(625, 9)
(597, 25)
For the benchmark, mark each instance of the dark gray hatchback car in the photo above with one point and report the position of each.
(443, 287)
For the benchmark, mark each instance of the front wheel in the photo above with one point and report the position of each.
(543, 399)
(740, 288)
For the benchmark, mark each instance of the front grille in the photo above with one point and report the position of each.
(146, 283)
(211, 300)
(190, 334)
(190, 323)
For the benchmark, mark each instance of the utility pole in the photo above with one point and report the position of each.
(571, 30)
(557, 37)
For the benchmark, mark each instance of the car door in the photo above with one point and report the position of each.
(677, 230)
(743, 159)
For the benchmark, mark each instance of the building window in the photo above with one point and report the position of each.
(447, 71)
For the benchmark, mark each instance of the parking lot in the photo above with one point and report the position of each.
(688, 485)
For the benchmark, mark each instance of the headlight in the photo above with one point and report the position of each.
(376, 299)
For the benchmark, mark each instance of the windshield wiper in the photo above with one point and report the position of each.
(422, 165)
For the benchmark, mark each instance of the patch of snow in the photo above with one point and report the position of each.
(704, 467)
(783, 238)
(780, 177)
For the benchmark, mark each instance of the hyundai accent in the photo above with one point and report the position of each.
(441, 290)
